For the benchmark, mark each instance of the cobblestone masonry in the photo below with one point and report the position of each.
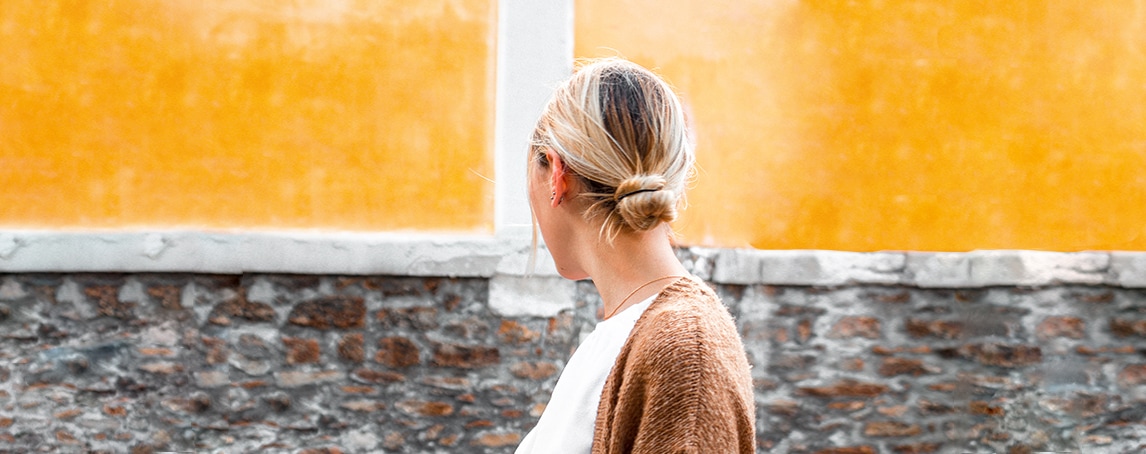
(323, 364)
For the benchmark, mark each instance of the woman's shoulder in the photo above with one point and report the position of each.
(685, 299)
(687, 311)
(688, 335)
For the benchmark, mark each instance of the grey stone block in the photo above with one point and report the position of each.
(1128, 269)
(538, 296)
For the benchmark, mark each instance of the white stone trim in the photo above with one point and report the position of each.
(265, 252)
(930, 269)
(507, 256)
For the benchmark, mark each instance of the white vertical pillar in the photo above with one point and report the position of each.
(534, 53)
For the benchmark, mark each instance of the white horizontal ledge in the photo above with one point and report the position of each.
(266, 252)
(930, 269)
(507, 255)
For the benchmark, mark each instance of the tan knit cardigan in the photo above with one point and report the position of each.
(681, 383)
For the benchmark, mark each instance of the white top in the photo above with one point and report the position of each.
(567, 424)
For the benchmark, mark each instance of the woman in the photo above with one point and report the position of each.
(665, 370)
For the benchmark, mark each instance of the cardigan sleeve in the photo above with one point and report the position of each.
(681, 384)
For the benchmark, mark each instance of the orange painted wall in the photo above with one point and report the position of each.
(870, 125)
(253, 114)
(901, 125)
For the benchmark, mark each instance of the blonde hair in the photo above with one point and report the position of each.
(621, 130)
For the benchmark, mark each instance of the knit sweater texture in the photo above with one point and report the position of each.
(681, 383)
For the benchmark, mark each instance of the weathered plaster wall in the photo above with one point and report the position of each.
(906, 125)
(147, 362)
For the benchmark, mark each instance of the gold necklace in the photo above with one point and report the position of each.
(630, 295)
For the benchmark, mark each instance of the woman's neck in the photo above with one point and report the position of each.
(633, 260)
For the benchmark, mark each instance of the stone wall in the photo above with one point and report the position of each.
(323, 363)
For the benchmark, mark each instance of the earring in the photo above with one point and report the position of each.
(552, 195)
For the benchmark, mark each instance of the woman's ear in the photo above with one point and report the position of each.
(557, 177)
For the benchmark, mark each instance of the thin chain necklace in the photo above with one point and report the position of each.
(630, 295)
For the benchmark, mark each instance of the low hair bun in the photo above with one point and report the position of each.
(621, 130)
(643, 202)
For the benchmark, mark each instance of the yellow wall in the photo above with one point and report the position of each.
(358, 115)
(913, 125)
